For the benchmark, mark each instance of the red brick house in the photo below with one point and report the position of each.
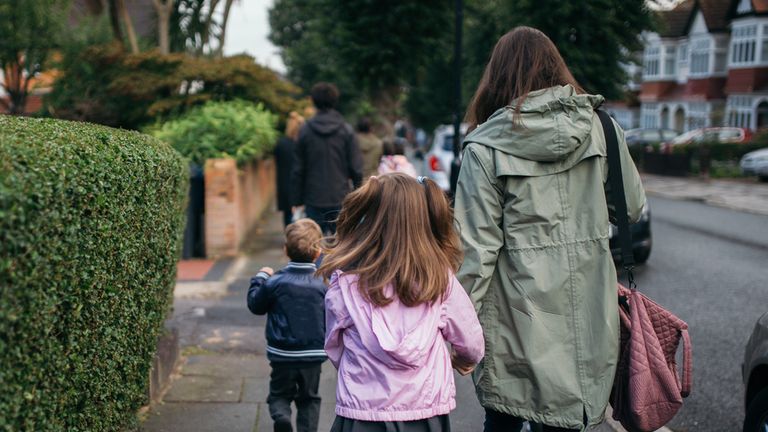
(707, 66)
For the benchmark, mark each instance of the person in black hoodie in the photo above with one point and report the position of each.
(293, 299)
(327, 164)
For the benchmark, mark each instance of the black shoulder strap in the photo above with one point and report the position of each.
(618, 197)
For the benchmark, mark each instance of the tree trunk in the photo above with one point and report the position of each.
(223, 32)
(387, 102)
(128, 26)
(163, 9)
(114, 21)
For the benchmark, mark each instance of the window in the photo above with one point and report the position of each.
(739, 111)
(670, 60)
(649, 117)
(682, 53)
(698, 115)
(700, 57)
(651, 61)
(764, 50)
(743, 44)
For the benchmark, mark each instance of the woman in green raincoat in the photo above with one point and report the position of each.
(533, 217)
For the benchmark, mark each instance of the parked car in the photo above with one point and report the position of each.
(713, 134)
(641, 238)
(755, 163)
(644, 136)
(755, 374)
(437, 162)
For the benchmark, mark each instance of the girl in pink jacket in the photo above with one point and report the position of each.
(392, 304)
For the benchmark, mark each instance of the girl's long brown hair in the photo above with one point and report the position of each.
(396, 230)
(523, 60)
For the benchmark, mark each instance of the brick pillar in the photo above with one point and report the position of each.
(223, 217)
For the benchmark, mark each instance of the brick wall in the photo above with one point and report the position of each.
(235, 199)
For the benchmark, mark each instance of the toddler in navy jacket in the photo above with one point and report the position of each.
(293, 299)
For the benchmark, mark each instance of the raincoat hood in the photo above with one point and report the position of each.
(392, 334)
(326, 122)
(534, 139)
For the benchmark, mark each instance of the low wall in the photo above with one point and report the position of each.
(235, 199)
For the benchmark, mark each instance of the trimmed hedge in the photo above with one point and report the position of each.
(90, 231)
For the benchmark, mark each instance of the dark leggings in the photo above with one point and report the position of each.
(500, 422)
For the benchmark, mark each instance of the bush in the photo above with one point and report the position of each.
(90, 231)
(104, 84)
(237, 129)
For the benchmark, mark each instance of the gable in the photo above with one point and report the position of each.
(744, 7)
(699, 26)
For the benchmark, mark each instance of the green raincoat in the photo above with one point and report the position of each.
(531, 210)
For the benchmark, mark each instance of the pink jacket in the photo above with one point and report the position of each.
(392, 361)
(396, 163)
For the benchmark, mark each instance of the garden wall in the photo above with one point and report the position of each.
(235, 199)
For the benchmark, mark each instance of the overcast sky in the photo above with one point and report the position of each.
(247, 32)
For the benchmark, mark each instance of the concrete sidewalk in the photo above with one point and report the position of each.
(223, 380)
(738, 194)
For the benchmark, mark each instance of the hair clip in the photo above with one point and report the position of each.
(422, 180)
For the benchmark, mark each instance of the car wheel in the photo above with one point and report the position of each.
(756, 419)
(641, 256)
(763, 178)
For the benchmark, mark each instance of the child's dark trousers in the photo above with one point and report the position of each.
(299, 383)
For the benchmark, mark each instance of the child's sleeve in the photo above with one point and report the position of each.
(460, 325)
(336, 320)
(258, 294)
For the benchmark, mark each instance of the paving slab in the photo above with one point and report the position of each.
(255, 390)
(231, 339)
(192, 388)
(228, 366)
(201, 417)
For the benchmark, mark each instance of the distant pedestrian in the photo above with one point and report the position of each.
(394, 159)
(531, 209)
(328, 164)
(371, 147)
(284, 155)
(293, 301)
(392, 304)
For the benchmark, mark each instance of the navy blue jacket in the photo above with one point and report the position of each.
(294, 301)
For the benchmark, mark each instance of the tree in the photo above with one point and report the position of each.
(576, 28)
(371, 46)
(163, 8)
(29, 31)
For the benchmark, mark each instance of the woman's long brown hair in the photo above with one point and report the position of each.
(523, 60)
(396, 230)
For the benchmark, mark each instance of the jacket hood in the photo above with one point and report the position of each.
(393, 334)
(326, 122)
(555, 125)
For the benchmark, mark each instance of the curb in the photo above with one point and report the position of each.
(210, 289)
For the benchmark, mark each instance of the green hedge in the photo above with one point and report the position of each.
(236, 129)
(90, 231)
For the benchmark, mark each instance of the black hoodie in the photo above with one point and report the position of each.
(328, 162)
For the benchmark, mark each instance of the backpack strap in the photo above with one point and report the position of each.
(617, 196)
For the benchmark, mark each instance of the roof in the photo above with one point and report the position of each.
(676, 22)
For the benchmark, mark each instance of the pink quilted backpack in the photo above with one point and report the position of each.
(647, 391)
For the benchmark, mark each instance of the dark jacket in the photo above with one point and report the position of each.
(284, 154)
(293, 300)
(328, 163)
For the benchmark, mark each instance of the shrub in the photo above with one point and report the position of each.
(104, 84)
(237, 129)
(90, 230)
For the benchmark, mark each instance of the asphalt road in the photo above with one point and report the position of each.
(708, 266)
